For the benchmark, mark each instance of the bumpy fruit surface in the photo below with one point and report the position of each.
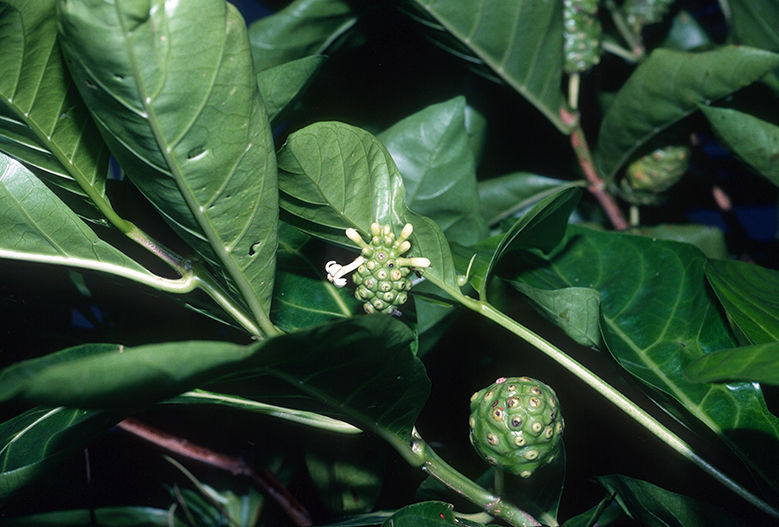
(581, 35)
(382, 280)
(516, 424)
(655, 173)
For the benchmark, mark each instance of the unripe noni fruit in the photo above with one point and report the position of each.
(516, 425)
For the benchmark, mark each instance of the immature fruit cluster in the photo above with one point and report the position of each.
(644, 12)
(516, 424)
(381, 271)
(654, 173)
(581, 34)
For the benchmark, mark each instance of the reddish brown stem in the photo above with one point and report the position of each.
(596, 187)
(184, 448)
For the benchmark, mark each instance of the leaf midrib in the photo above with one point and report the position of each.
(499, 69)
(214, 240)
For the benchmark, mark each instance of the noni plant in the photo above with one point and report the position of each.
(256, 256)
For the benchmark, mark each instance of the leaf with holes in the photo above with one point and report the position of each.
(174, 95)
(43, 121)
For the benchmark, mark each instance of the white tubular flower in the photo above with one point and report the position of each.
(336, 271)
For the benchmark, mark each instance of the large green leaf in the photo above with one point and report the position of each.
(37, 441)
(173, 91)
(755, 363)
(653, 506)
(709, 239)
(505, 196)
(541, 227)
(362, 368)
(669, 86)
(432, 151)
(657, 317)
(428, 513)
(105, 517)
(39, 227)
(520, 41)
(281, 84)
(301, 29)
(750, 295)
(754, 140)
(336, 176)
(43, 121)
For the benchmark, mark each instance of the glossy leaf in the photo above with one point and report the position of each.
(668, 86)
(311, 419)
(575, 310)
(43, 121)
(281, 84)
(657, 317)
(105, 517)
(750, 295)
(754, 140)
(755, 363)
(603, 514)
(710, 240)
(432, 151)
(362, 368)
(505, 196)
(301, 302)
(301, 29)
(175, 96)
(34, 443)
(39, 227)
(653, 506)
(520, 41)
(541, 227)
(336, 176)
(428, 513)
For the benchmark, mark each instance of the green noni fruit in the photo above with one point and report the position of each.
(516, 424)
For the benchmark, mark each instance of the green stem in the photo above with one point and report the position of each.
(607, 391)
(491, 503)
(619, 51)
(633, 40)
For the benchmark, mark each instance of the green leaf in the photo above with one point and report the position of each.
(336, 176)
(311, 419)
(756, 23)
(505, 196)
(432, 151)
(362, 368)
(710, 240)
(301, 29)
(349, 477)
(669, 86)
(604, 513)
(105, 517)
(575, 310)
(43, 121)
(752, 139)
(301, 302)
(428, 513)
(653, 506)
(657, 317)
(34, 443)
(541, 227)
(750, 295)
(755, 363)
(520, 41)
(39, 227)
(281, 84)
(175, 96)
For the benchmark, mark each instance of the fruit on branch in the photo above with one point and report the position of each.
(516, 424)
(382, 273)
(654, 173)
(581, 34)
(644, 12)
